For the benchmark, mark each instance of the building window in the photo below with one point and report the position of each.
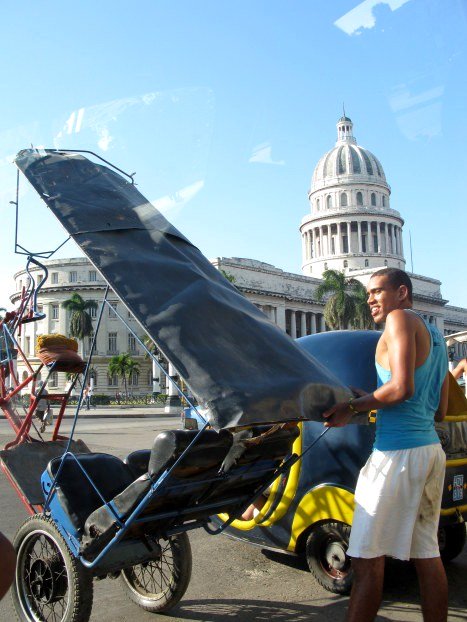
(73, 276)
(384, 200)
(40, 277)
(54, 278)
(53, 379)
(375, 243)
(346, 263)
(27, 345)
(131, 343)
(344, 199)
(112, 309)
(20, 288)
(55, 312)
(345, 244)
(133, 379)
(329, 201)
(385, 262)
(113, 343)
(93, 312)
(149, 377)
(359, 198)
(325, 266)
(366, 263)
(317, 205)
(363, 243)
(373, 198)
(333, 245)
(92, 275)
(90, 340)
(112, 381)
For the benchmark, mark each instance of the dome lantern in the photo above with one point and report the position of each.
(345, 131)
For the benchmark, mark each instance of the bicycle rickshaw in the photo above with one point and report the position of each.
(92, 514)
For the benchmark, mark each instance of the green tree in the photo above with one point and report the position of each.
(339, 310)
(229, 277)
(122, 365)
(80, 319)
(363, 318)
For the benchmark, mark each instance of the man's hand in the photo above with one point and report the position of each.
(338, 415)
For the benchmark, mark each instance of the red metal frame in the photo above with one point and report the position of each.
(11, 391)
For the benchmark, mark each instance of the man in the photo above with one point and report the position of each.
(398, 494)
(43, 406)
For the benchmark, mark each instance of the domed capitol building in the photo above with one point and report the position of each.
(351, 227)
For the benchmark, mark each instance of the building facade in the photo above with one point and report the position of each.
(68, 276)
(351, 227)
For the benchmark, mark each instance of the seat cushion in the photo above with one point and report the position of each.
(208, 451)
(77, 496)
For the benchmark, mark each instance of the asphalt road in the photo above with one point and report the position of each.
(231, 580)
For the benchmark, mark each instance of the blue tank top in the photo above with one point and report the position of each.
(411, 423)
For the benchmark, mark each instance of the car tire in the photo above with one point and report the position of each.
(326, 549)
(451, 539)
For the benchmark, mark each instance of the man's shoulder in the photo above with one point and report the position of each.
(403, 318)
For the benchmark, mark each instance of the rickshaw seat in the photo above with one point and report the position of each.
(195, 481)
(76, 494)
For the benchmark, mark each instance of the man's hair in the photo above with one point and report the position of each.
(396, 278)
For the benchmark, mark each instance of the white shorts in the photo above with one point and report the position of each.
(397, 504)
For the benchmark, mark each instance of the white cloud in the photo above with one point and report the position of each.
(104, 139)
(403, 99)
(174, 202)
(362, 16)
(262, 154)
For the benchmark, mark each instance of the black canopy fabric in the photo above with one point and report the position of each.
(238, 364)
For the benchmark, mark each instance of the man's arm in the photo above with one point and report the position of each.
(443, 402)
(399, 335)
(460, 369)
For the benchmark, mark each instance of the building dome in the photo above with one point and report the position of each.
(347, 161)
(351, 225)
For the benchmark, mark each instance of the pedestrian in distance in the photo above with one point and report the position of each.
(43, 405)
(399, 490)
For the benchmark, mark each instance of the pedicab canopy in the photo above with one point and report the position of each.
(238, 364)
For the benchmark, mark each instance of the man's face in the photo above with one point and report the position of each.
(383, 297)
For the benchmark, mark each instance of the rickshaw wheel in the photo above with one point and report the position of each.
(50, 584)
(451, 539)
(158, 585)
(326, 548)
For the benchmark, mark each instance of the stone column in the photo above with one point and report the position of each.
(386, 237)
(313, 323)
(402, 244)
(359, 234)
(303, 324)
(349, 233)
(293, 324)
(312, 244)
(173, 403)
(280, 317)
(378, 233)
(338, 241)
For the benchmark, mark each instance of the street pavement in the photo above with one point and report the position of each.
(231, 580)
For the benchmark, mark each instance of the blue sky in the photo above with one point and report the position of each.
(224, 108)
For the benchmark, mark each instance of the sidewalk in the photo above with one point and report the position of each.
(126, 412)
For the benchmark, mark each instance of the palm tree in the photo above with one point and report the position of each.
(123, 365)
(363, 317)
(339, 310)
(80, 320)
